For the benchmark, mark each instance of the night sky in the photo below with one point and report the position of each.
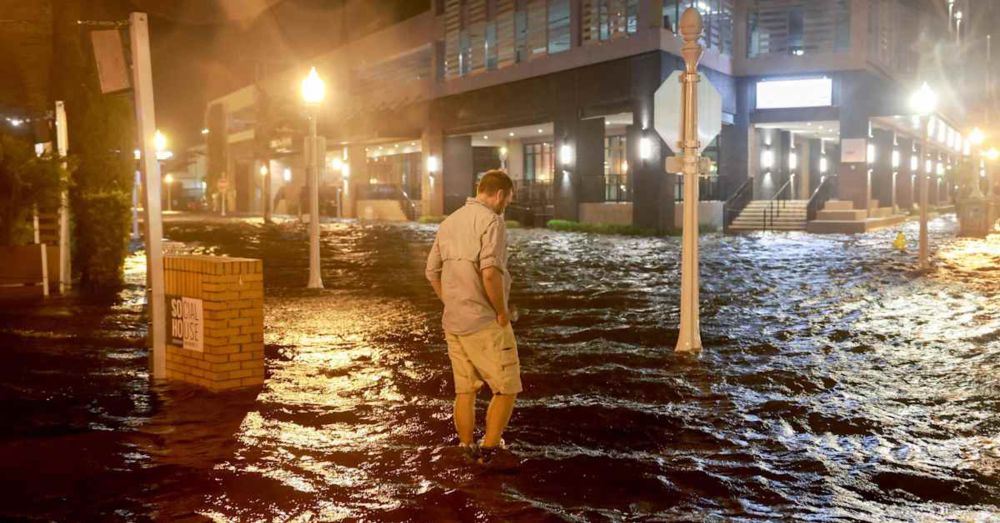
(202, 50)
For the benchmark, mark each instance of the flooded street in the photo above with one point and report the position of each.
(835, 383)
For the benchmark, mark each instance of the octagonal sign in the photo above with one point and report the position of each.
(667, 111)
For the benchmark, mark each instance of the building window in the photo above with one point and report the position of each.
(717, 19)
(559, 36)
(797, 27)
(616, 168)
(608, 19)
(491, 46)
(539, 162)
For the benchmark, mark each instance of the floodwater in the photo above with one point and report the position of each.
(836, 384)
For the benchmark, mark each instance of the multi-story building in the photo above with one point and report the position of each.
(560, 93)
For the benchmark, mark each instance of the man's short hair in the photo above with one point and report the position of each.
(495, 180)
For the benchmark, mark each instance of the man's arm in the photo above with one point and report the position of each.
(433, 271)
(493, 282)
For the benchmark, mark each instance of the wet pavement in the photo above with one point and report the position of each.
(836, 384)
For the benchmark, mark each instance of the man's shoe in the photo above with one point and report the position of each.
(470, 452)
(498, 458)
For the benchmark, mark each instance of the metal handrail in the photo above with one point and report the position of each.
(770, 209)
(812, 208)
(736, 203)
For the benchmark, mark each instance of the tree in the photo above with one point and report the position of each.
(102, 137)
(27, 182)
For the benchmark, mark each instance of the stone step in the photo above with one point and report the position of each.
(839, 205)
(841, 215)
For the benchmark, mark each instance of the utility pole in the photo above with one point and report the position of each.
(142, 90)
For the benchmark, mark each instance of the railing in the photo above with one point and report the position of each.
(776, 203)
(819, 197)
(736, 203)
(387, 191)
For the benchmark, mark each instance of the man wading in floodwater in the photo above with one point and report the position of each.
(467, 267)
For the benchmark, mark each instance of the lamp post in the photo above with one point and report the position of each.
(923, 102)
(689, 337)
(162, 154)
(169, 180)
(993, 202)
(313, 91)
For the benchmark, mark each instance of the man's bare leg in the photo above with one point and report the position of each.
(497, 416)
(465, 417)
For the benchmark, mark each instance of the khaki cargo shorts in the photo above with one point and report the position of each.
(489, 355)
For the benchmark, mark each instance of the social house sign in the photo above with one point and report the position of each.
(185, 322)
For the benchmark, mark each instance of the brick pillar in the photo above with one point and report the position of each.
(215, 321)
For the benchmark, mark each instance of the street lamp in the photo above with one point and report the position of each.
(923, 102)
(313, 92)
(169, 180)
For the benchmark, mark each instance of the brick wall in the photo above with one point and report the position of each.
(232, 294)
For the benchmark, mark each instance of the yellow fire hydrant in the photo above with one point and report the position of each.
(900, 242)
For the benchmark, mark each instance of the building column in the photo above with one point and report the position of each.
(590, 159)
(565, 184)
(652, 186)
(905, 181)
(431, 183)
(854, 181)
(881, 167)
(457, 179)
(803, 182)
(357, 166)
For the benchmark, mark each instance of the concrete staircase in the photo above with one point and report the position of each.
(789, 215)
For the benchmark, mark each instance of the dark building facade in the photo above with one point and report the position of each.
(560, 93)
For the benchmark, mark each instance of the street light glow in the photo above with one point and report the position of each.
(313, 88)
(992, 153)
(976, 136)
(263, 170)
(168, 179)
(645, 148)
(159, 141)
(337, 164)
(923, 100)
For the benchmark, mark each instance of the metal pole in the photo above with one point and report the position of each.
(62, 146)
(923, 263)
(267, 192)
(136, 183)
(689, 338)
(44, 255)
(142, 89)
(315, 279)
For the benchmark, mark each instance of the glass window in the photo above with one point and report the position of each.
(538, 162)
(616, 179)
(491, 46)
(520, 36)
(559, 35)
(464, 53)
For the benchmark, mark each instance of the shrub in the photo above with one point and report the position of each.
(598, 228)
(26, 181)
(102, 224)
(513, 224)
(430, 219)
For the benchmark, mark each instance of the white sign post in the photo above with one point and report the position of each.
(142, 90)
(687, 115)
(62, 147)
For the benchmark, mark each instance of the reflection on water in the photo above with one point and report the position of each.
(835, 383)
